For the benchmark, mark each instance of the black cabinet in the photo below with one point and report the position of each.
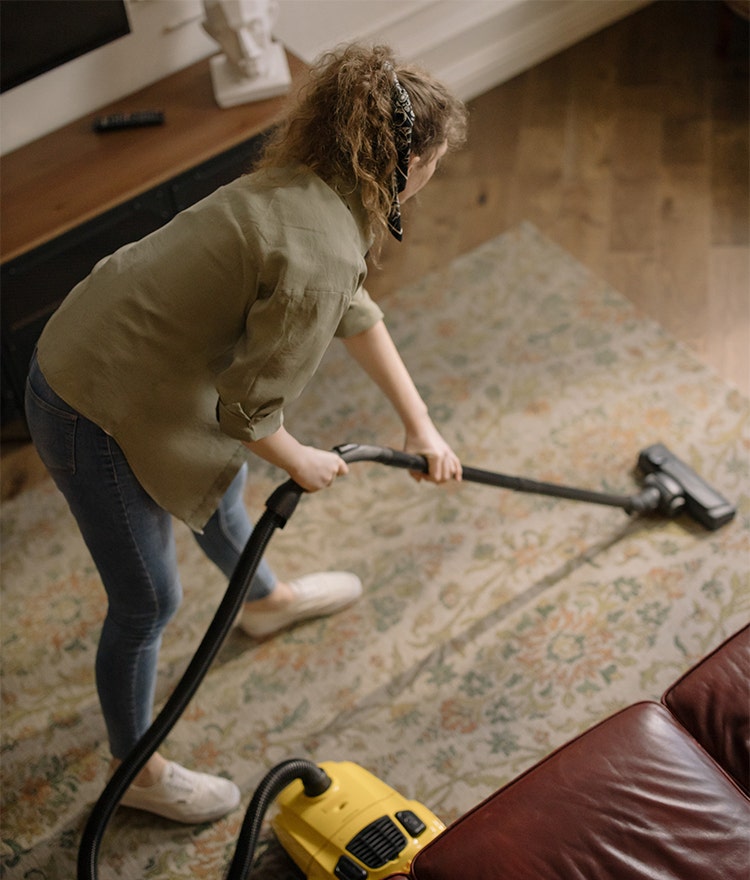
(189, 188)
(34, 284)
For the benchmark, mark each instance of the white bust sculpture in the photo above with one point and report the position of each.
(252, 66)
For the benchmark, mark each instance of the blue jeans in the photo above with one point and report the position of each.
(131, 541)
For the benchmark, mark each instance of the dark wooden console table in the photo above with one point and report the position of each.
(74, 196)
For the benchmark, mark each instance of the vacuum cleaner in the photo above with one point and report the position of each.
(336, 820)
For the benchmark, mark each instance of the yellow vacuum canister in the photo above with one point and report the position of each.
(359, 829)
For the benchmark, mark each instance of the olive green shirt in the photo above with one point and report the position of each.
(194, 338)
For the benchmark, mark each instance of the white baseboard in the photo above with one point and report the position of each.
(532, 40)
(472, 45)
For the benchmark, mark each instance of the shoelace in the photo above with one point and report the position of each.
(179, 779)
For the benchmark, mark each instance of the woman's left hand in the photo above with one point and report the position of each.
(376, 353)
(443, 462)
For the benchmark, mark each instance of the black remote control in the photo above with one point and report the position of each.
(137, 119)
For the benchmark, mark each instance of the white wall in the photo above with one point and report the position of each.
(472, 45)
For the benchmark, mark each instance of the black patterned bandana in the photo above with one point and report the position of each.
(403, 122)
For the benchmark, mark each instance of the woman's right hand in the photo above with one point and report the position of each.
(317, 468)
(309, 467)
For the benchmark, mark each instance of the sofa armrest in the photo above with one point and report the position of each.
(712, 702)
(635, 796)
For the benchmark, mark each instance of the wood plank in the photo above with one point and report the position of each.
(726, 335)
(683, 230)
(730, 186)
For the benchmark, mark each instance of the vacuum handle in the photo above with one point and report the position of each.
(351, 452)
(642, 502)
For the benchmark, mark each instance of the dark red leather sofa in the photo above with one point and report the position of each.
(658, 791)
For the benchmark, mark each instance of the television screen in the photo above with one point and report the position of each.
(38, 35)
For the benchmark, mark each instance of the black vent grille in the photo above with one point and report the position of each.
(377, 844)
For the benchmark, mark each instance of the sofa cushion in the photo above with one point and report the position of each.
(634, 796)
(712, 701)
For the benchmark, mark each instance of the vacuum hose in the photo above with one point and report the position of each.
(315, 781)
(279, 507)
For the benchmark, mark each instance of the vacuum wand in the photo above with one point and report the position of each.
(669, 487)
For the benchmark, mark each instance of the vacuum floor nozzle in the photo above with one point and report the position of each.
(701, 501)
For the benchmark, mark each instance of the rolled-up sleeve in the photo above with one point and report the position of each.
(285, 338)
(362, 314)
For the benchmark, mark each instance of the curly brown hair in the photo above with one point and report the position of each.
(340, 125)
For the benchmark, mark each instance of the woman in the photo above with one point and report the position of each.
(176, 356)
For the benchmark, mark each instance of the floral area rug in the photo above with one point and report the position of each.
(494, 626)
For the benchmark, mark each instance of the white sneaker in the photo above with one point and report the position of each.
(185, 796)
(316, 595)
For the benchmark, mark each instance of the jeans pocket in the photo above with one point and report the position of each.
(52, 424)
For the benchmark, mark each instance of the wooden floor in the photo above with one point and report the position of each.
(630, 150)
